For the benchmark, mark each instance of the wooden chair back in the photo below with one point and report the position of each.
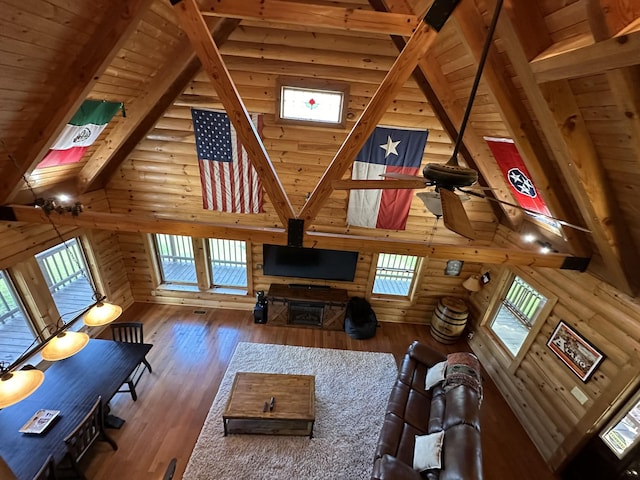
(130, 332)
(90, 429)
(48, 470)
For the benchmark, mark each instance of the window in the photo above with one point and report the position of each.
(16, 334)
(196, 264)
(176, 260)
(624, 431)
(312, 101)
(65, 270)
(228, 263)
(394, 274)
(519, 309)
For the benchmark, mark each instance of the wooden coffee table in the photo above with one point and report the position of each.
(249, 407)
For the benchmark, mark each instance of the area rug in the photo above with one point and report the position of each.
(352, 390)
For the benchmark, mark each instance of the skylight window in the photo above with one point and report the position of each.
(312, 102)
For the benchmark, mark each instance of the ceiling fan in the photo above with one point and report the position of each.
(451, 177)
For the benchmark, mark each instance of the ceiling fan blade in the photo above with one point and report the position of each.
(454, 215)
(526, 210)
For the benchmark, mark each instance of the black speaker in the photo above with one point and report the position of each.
(295, 232)
(260, 313)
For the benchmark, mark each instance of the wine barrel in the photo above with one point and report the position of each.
(449, 319)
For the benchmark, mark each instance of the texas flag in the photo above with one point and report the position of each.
(387, 150)
(80, 133)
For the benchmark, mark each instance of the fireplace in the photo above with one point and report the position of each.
(305, 313)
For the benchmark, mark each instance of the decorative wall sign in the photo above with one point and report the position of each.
(454, 267)
(578, 354)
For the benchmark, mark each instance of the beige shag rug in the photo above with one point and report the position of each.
(352, 390)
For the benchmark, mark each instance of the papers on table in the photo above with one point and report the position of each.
(40, 421)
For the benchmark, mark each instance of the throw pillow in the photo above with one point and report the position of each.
(435, 375)
(428, 451)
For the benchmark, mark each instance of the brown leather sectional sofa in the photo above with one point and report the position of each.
(412, 410)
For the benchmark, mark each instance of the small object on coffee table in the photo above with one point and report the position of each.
(272, 404)
(265, 407)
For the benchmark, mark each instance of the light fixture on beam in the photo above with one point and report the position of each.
(472, 283)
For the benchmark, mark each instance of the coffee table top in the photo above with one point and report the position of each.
(294, 396)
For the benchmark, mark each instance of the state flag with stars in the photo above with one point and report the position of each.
(388, 150)
(229, 181)
(516, 174)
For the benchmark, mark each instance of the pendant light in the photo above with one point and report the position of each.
(102, 313)
(18, 385)
(64, 345)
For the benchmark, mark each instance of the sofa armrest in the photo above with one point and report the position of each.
(424, 354)
(390, 468)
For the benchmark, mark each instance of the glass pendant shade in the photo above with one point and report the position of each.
(102, 313)
(64, 345)
(16, 386)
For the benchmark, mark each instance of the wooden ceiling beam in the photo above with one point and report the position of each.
(519, 123)
(144, 111)
(429, 73)
(73, 86)
(624, 81)
(400, 71)
(563, 126)
(617, 52)
(199, 35)
(158, 224)
(348, 184)
(315, 16)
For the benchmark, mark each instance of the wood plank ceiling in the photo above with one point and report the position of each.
(561, 80)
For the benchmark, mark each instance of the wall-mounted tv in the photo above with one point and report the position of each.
(316, 263)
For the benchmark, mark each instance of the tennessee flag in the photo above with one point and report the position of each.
(387, 150)
(516, 174)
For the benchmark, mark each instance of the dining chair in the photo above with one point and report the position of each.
(131, 332)
(90, 429)
(171, 470)
(47, 471)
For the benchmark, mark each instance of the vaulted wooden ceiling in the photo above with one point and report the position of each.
(562, 80)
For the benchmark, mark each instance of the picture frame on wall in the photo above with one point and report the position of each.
(578, 354)
(454, 267)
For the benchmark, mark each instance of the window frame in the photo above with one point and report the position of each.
(311, 84)
(202, 270)
(506, 278)
(417, 274)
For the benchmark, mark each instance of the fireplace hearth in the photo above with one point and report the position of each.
(305, 313)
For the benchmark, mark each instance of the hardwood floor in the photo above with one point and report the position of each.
(190, 355)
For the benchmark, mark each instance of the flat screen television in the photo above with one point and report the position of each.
(315, 263)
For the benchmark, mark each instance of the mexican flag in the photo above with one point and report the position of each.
(81, 131)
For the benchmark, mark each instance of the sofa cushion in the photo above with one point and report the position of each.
(397, 439)
(427, 453)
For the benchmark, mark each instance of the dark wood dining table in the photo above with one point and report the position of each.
(70, 386)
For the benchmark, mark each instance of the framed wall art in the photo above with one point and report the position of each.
(574, 351)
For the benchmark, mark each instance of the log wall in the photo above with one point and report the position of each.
(538, 387)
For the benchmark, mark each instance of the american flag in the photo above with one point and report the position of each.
(229, 181)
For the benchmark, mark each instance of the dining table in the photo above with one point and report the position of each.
(71, 386)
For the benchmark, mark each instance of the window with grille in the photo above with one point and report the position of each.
(228, 262)
(394, 274)
(16, 333)
(519, 309)
(176, 260)
(68, 278)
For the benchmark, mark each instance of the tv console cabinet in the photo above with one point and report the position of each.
(307, 306)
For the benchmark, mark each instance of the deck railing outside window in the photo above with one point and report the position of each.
(228, 262)
(16, 335)
(517, 313)
(394, 274)
(175, 253)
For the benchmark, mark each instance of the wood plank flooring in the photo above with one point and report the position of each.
(190, 355)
